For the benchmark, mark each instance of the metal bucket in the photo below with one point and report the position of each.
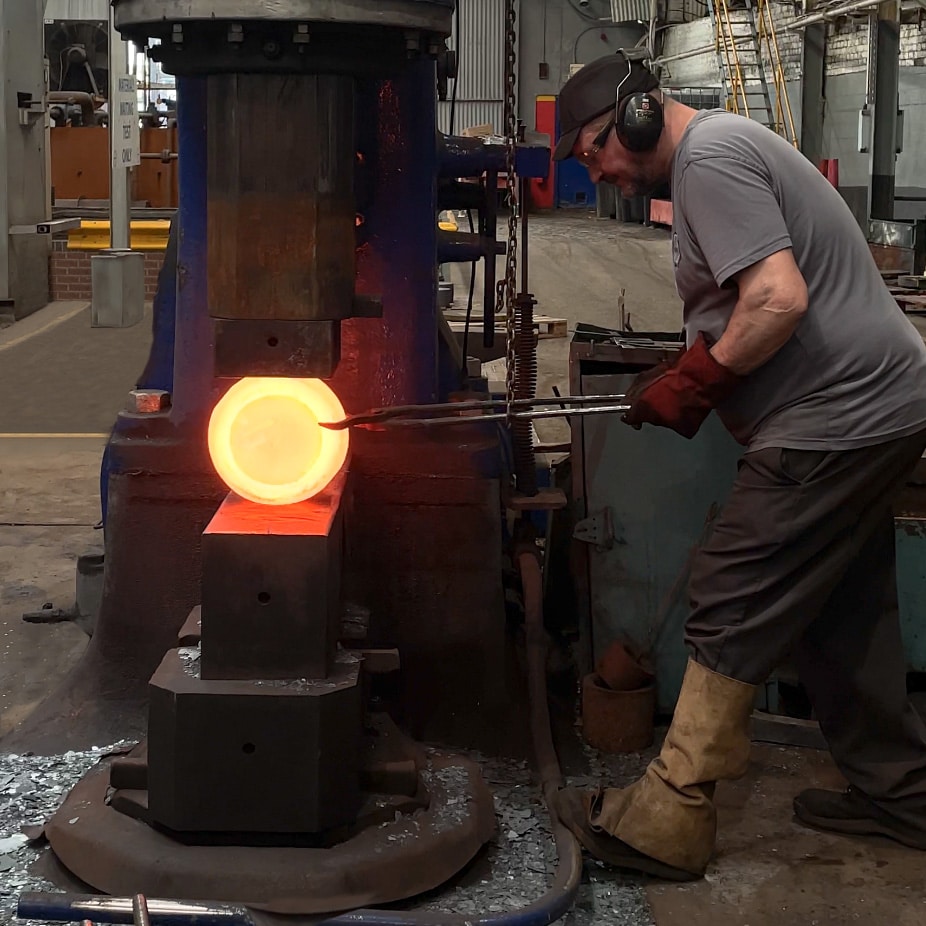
(617, 721)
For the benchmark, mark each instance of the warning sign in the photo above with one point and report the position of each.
(123, 119)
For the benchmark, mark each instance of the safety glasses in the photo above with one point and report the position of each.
(598, 143)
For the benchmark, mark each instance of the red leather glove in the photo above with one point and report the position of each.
(682, 394)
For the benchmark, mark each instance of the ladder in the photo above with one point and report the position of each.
(750, 65)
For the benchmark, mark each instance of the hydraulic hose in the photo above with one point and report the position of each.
(557, 901)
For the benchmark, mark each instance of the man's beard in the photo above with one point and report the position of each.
(640, 183)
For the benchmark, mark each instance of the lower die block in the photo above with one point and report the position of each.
(253, 756)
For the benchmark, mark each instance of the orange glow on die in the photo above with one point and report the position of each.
(266, 443)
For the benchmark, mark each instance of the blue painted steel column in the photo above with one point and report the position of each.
(181, 353)
(393, 360)
(193, 346)
(159, 370)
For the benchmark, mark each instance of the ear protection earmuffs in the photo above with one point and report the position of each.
(638, 118)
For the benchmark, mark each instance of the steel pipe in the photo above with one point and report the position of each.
(464, 248)
(75, 98)
(694, 53)
(832, 13)
(459, 156)
(568, 851)
(70, 908)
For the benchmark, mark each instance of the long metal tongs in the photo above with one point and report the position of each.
(455, 412)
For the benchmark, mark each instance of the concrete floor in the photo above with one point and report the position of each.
(42, 532)
(771, 871)
(63, 383)
(768, 870)
(578, 266)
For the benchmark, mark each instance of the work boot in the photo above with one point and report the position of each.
(851, 813)
(665, 824)
(575, 808)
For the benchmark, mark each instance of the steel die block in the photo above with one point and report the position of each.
(253, 755)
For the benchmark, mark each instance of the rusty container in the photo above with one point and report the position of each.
(617, 721)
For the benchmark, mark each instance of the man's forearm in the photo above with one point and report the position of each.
(754, 335)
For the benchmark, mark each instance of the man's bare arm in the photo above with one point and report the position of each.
(772, 300)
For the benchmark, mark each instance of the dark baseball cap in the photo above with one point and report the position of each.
(593, 91)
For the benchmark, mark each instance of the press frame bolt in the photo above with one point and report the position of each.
(148, 401)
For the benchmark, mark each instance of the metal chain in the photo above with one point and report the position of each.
(507, 288)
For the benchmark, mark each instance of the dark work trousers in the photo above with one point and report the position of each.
(801, 564)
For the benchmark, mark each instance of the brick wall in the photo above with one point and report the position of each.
(153, 262)
(704, 70)
(69, 272)
(846, 64)
(697, 70)
(846, 47)
(912, 45)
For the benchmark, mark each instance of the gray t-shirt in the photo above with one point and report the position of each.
(853, 373)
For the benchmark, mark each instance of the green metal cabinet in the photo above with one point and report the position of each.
(643, 500)
(911, 578)
(659, 493)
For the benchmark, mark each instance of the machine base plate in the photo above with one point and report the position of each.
(121, 855)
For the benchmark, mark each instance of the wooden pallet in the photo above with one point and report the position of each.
(546, 325)
(909, 300)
